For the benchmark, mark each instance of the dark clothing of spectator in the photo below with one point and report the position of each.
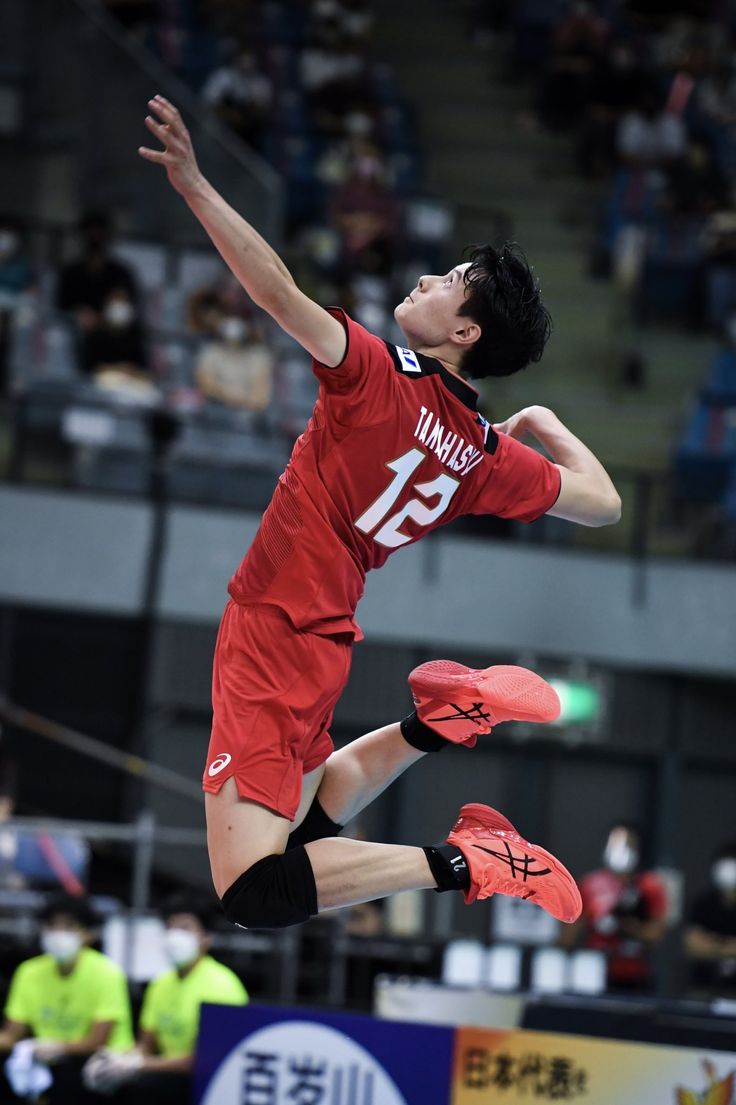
(716, 916)
(89, 282)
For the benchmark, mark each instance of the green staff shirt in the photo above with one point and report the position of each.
(171, 1003)
(66, 1007)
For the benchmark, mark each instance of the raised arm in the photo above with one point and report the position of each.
(249, 257)
(587, 494)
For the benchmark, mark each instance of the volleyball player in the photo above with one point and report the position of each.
(395, 447)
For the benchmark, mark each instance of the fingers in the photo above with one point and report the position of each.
(165, 110)
(159, 129)
(159, 156)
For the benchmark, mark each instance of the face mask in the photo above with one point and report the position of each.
(724, 873)
(181, 946)
(620, 857)
(60, 944)
(119, 312)
(8, 243)
(233, 330)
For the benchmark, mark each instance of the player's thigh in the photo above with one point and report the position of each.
(239, 833)
(310, 785)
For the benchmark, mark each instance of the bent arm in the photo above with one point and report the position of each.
(148, 1045)
(249, 257)
(96, 1038)
(701, 944)
(587, 494)
(11, 1033)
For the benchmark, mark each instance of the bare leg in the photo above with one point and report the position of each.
(240, 832)
(359, 772)
(352, 871)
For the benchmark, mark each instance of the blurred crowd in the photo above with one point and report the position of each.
(648, 91)
(106, 318)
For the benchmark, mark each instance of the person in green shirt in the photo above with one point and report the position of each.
(71, 999)
(159, 1069)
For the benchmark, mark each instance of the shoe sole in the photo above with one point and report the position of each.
(505, 687)
(488, 818)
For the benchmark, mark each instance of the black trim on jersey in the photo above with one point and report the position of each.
(429, 366)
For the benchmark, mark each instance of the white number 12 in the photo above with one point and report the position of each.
(405, 466)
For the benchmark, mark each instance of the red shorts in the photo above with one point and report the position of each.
(274, 690)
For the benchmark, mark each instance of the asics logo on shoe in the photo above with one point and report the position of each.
(519, 868)
(219, 764)
(476, 713)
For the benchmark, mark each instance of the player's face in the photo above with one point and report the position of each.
(429, 314)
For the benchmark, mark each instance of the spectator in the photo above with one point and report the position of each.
(117, 342)
(237, 368)
(710, 938)
(623, 911)
(16, 278)
(71, 1000)
(648, 136)
(159, 1070)
(366, 214)
(241, 95)
(93, 288)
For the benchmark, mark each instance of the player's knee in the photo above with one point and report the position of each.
(275, 892)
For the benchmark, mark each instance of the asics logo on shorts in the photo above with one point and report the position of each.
(219, 764)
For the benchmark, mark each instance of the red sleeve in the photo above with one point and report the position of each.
(364, 378)
(655, 892)
(522, 484)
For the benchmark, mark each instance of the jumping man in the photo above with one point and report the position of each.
(395, 447)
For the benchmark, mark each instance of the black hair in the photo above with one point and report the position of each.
(192, 902)
(503, 297)
(69, 905)
(726, 851)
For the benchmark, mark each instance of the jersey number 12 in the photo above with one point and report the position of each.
(378, 513)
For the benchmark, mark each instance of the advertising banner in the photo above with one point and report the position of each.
(521, 1066)
(267, 1056)
(270, 1056)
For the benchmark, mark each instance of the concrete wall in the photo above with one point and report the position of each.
(90, 553)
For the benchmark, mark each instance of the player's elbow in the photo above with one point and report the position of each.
(610, 509)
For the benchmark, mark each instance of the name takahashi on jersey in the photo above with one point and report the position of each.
(451, 449)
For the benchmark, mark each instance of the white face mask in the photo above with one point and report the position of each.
(233, 330)
(181, 946)
(119, 312)
(60, 944)
(620, 857)
(724, 873)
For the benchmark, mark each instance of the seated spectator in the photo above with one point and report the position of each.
(71, 1000)
(159, 1070)
(16, 278)
(624, 911)
(710, 937)
(241, 95)
(333, 74)
(97, 290)
(117, 342)
(236, 368)
(648, 136)
(366, 214)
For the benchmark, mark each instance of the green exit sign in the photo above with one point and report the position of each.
(581, 703)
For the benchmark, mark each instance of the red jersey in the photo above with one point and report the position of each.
(607, 899)
(395, 448)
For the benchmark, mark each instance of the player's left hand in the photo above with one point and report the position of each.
(177, 156)
(520, 423)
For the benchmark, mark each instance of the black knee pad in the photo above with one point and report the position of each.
(315, 826)
(274, 893)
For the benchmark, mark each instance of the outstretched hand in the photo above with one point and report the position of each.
(177, 156)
